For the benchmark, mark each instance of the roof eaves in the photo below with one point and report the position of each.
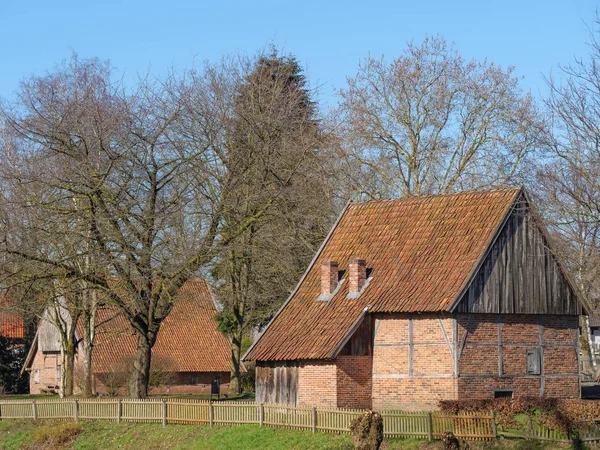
(314, 260)
(338, 348)
(30, 354)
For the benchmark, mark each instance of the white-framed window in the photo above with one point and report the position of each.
(58, 374)
(36, 376)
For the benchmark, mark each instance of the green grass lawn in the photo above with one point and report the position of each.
(91, 435)
(17, 435)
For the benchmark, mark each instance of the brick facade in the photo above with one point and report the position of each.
(354, 381)
(412, 365)
(494, 356)
(180, 382)
(44, 372)
(317, 384)
(412, 361)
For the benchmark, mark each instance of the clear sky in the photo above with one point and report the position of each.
(328, 37)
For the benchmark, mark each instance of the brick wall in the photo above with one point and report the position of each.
(354, 381)
(46, 364)
(180, 382)
(412, 361)
(317, 383)
(495, 355)
(411, 394)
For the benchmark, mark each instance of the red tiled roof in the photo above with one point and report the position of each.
(12, 324)
(188, 339)
(422, 251)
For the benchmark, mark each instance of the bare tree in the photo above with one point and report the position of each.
(126, 188)
(431, 122)
(275, 143)
(569, 179)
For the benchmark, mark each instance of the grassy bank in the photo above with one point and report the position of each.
(89, 435)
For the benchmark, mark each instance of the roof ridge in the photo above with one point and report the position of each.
(432, 196)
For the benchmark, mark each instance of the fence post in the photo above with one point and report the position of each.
(210, 414)
(261, 414)
(429, 426)
(314, 419)
(34, 407)
(119, 411)
(75, 410)
(494, 425)
(164, 412)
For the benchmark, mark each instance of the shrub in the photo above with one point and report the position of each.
(562, 415)
(54, 436)
(248, 378)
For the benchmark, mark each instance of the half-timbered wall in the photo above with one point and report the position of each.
(413, 362)
(493, 351)
(519, 275)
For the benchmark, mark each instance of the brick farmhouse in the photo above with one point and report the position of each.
(412, 301)
(189, 354)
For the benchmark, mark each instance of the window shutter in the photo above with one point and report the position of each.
(533, 361)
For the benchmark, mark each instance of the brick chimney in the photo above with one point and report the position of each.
(357, 276)
(329, 277)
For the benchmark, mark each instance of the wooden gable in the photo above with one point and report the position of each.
(520, 274)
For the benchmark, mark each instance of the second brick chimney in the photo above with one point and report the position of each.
(357, 276)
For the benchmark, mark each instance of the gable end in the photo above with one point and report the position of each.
(520, 274)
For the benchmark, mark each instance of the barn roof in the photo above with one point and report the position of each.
(188, 340)
(12, 325)
(423, 252)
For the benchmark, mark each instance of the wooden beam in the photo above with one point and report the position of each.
(541, 331)
(411, 346)
(456, 368)
(450, 346)
(500, 358)
(463, 341)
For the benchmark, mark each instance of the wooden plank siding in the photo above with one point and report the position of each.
(277, 382)
(361, 342)
(520, 275)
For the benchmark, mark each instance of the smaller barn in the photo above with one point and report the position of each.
(190, 354)
(12, 325)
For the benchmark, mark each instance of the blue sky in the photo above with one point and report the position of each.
(328, 37)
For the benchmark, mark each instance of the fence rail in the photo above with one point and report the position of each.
(426, 425)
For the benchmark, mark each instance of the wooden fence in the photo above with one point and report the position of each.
(424, 425)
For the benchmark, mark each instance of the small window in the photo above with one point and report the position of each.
(533, 361)
(503, 393)
(36, 376)
(58, 374)
(194, 378)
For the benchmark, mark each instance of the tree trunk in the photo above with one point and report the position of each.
(88, 343)
(89, 334)
(67, 372)
(591, 354)
(140, 377)
(235, 385)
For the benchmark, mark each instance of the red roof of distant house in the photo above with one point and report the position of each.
(188, 340)
(422, 252)
(11, 321)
